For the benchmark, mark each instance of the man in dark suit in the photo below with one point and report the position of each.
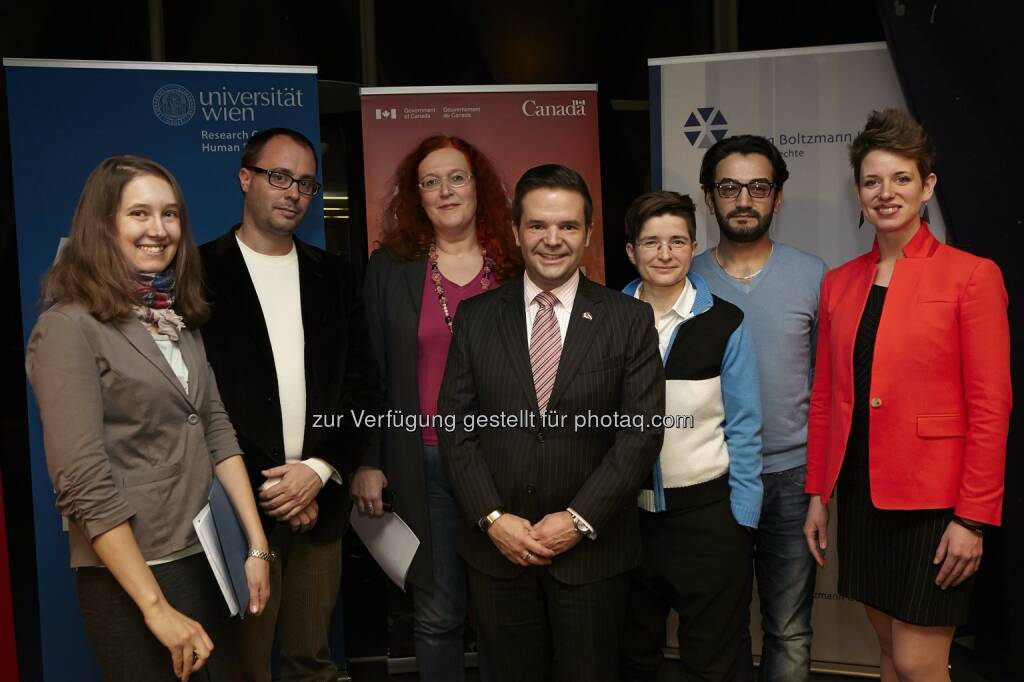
(550, 502)
(287, 340)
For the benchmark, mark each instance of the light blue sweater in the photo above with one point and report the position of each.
(780, 308)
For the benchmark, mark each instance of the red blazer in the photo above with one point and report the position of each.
(940, 381)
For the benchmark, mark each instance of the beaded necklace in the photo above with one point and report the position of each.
(438, 280)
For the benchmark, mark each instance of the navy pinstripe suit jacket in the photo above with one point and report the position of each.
(610, 365)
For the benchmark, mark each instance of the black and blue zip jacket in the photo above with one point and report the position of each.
(711, 376)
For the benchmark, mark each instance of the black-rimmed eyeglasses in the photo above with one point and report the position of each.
(282, 180)
(730, 189)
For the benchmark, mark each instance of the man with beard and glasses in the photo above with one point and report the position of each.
(776, 286)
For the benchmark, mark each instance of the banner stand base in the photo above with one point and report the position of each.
(407, 664)
(823, 667)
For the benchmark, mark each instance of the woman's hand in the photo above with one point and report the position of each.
(188, 643)
(959, 552)
(816, 529)
(366, 488)
(257, 575)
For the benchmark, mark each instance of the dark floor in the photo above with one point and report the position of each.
(669, 673)
(965, 668)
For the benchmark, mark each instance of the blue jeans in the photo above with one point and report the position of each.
(785, 582)
(440, 614)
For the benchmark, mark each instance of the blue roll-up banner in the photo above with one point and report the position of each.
(65, 118)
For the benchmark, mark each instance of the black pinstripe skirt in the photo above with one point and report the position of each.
(885, 556)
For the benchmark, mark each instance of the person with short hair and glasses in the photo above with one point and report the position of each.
(702, 499)
(910, 409)
(776, 286)
(288, 341)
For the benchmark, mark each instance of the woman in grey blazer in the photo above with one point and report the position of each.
(134, 430)
(447, 235)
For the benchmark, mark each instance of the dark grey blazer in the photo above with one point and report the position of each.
(609, 365)
(393, 292)
(124, 441)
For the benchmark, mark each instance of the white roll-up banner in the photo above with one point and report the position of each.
(810, 103)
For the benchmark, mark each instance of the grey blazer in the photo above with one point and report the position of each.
(124, 441)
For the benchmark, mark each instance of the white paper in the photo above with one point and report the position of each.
(391, 542)
(207, 533)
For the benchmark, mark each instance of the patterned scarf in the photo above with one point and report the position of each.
(156, 292)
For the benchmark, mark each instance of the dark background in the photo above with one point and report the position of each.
(950, 56)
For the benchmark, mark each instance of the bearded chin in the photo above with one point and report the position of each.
(744, 236)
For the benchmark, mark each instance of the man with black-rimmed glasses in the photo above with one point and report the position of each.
(776, 286)
(287, 340)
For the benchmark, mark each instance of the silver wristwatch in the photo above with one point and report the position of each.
(581, 526)
(260, 554)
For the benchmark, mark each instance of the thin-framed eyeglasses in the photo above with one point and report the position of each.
(456, 179)
(758, 189)
(282, 180)
(675, 245)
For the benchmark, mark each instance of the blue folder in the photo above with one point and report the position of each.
(233, 545)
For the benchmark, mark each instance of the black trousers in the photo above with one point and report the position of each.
(534, 628)
(125, 648)
(697, 561)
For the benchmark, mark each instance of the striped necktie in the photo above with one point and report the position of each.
(545, 348)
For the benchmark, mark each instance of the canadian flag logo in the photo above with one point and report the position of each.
(387, 114)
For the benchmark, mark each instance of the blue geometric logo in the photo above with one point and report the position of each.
(705, 127)
(174, 105)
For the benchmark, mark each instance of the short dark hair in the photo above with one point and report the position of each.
(654, 204)
(551, 176)
(893, 131)
(746, 145)
(255, 144)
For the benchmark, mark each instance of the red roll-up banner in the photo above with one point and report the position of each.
(8, 651)
(515, 126)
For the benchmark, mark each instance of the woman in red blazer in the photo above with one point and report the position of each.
(909, 410)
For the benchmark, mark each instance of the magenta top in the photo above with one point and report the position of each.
(434, 337)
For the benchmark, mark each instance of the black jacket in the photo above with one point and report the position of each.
(341, 373)
(609, 367)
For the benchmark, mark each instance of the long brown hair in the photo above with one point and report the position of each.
(91, 269)
(406, 231)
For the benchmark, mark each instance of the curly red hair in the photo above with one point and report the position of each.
(406, 231)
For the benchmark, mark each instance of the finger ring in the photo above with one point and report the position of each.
(526, 557)
(195, 657)
(370, 507)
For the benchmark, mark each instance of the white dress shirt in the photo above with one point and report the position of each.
(681, 310)
(566, 295)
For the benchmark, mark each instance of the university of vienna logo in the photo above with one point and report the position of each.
(705, 127)
(174, 105)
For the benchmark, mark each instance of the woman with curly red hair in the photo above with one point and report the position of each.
(446, 236)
